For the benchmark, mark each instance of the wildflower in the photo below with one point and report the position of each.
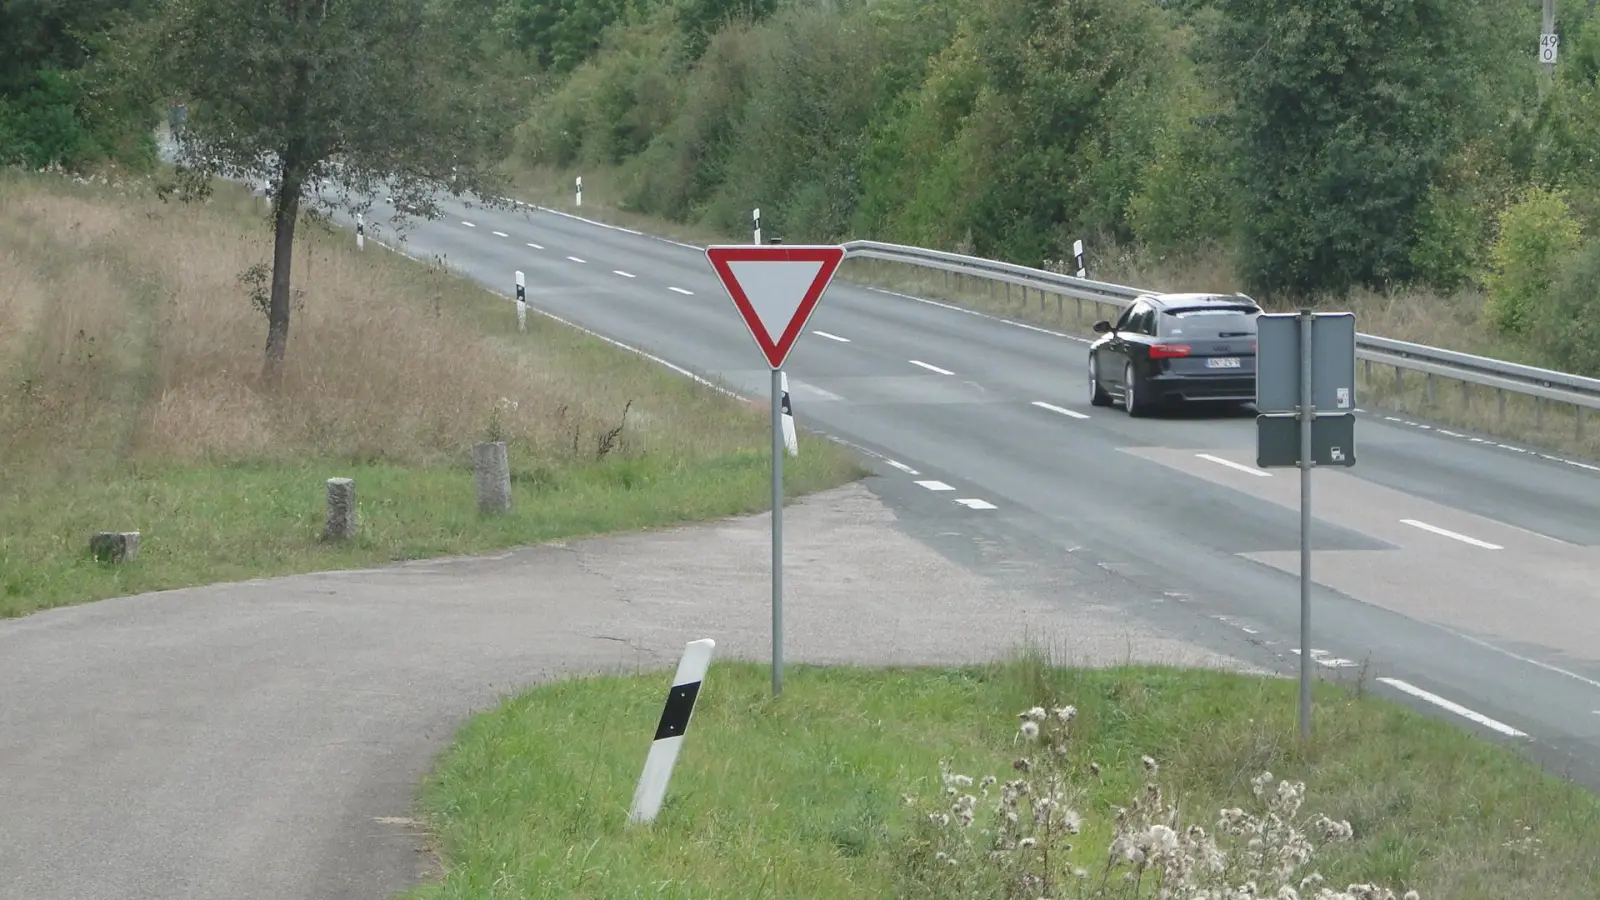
(1028, 843)
(1094, 769)
(1066, 713)
(1033, 715)
(1022, 764)
(1030, 730)
(1150, 765)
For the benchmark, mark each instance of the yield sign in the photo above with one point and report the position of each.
(775, 289)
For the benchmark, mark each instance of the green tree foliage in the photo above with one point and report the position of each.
(560, 34)
(1538, 237)
(1344, 112)
(47, 112)
(371, 93)
(1566, 324)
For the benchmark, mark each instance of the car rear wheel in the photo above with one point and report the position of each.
(1098, 396)
(1132, 398)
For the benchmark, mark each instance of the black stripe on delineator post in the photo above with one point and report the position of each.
(787, 409)
(675, 715)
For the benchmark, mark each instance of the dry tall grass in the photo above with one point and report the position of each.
(126, 334)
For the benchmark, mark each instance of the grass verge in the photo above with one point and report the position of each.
(129, 353)
(802, 798)
(1456, 321)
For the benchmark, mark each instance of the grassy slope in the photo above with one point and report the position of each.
(1455, 322)
(128, 355)
(802, 798)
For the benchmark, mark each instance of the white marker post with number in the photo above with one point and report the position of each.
(775, 290)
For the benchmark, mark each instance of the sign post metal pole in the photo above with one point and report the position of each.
(777, 533)
(1307, 415)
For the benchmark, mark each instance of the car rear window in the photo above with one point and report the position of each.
(1213, 321)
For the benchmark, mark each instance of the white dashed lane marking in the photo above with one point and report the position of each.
(831, 337)
(936, 485)
(575, 259)
(682, 291)
(1451, 534)
(1324, 658)
(622, 273)
(1231, 464)
(974, 503)
(469, 224)
(536, 246)
(901, 466)
(500, 234)
(1059, 409)
(1454, 707)
(918, 362)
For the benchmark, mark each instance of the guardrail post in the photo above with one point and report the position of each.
(1078, 318)
(1501, 396)
(1429, 394)
(1538, 414)
(1466, 396)
(1366, 366)
(1399, 379)
(1578, 418)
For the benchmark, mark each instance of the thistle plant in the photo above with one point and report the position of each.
(1020, 839)
(497, 419)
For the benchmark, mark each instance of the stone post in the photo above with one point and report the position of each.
(491, 476)
(340, 521)
(114, 546)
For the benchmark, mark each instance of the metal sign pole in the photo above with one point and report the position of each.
(777, 533)
(1306, 413)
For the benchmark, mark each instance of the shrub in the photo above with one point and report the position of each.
(1566, 324)
(1023, 842)
(1538, 235)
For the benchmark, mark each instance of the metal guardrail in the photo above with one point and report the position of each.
(1433, 362)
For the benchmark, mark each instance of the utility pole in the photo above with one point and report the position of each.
(1548, 47)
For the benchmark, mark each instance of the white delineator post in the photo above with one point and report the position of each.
(1077, 257)
(361, 232)
(580, 190)
(670, 730)
(755, 217)
(522, 304)
(790, 438)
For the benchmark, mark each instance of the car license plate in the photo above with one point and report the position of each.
(1222, 362)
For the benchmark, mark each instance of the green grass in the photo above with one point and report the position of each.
(128, 402)
(802, 797)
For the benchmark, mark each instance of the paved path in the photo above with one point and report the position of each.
(250, 740)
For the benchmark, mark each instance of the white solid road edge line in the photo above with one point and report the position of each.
(1451, 534)
(1057, 409)
(918, 362)
(936, 485)
(831, 337)
(1456, 708)
(1231, 464)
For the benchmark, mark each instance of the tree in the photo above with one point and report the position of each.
(365, 93)
(1345, 110)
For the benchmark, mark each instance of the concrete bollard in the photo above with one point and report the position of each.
(340, 521)
(491, 476)
(114, 546)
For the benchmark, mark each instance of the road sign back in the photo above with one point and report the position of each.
(775, 288)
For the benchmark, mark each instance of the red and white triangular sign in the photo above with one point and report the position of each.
(775, 288)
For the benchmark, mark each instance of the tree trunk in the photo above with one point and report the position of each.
(287, 211)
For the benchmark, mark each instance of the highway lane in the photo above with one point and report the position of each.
(1498, 631)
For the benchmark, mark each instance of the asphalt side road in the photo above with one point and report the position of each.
(264, 740)
(1459, 570)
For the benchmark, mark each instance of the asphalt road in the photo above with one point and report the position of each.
(1458, 569)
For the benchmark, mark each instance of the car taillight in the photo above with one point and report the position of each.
(1167, 351)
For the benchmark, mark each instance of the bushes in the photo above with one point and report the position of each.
(1565, 325)
(1538, 235)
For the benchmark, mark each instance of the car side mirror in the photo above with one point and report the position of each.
(1102, 326)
